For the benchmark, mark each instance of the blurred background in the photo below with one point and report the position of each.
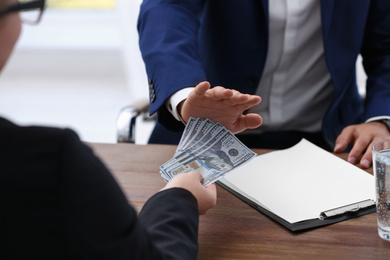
(78, 68)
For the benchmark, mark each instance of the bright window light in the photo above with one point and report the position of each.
(82, 4)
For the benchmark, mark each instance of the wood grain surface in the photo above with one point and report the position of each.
(234, 230)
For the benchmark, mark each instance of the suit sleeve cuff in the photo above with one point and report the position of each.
(173, 102)
(376, 118)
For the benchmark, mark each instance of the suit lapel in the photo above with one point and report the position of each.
(265, 8)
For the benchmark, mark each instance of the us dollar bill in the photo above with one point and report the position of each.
(187, 131)
(207, 131)
(213, 158)
(182, 155)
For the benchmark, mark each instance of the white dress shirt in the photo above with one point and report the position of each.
(296, 86)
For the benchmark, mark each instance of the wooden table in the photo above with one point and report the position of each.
(234, 230)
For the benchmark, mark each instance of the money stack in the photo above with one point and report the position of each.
(208, 148)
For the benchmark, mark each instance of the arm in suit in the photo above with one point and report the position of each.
(370, 35)
(199, 39)
(59, 201)
(376, 59)
(168, 34)
(165, 229)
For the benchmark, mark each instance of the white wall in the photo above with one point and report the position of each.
(78, 69)
(68, 71)
(134, 66)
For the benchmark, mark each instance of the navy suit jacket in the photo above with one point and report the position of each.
(225, 42)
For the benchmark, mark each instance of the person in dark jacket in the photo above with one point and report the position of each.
(59, 201)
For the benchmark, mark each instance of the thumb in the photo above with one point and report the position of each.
(201, 88)
(197, 175)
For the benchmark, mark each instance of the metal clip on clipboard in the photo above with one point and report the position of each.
(346, 209)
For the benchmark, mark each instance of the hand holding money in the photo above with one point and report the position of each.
(191, 181)
(208, 148)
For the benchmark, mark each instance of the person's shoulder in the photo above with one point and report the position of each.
(39, 147)
(34, 134)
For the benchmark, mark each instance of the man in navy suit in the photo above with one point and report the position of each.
(299, 56)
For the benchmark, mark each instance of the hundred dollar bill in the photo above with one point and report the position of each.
(198, 133)
(182, 156)
(224, 154)
(192, 128)
(213, 133)
(205, 133)
(187, 131)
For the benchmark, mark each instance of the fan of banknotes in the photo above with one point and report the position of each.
(208, 148)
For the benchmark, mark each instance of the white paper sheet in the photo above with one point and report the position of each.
(301, 182)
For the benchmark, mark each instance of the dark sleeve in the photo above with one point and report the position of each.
(99, 222)
(171, 219)
(376, 59)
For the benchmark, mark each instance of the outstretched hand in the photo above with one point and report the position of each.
(225, 106)
(363, 137)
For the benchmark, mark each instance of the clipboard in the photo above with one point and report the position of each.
(344, 190)
(309, 223)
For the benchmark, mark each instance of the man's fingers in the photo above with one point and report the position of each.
(358, 148)
(219, 93)
(343, 140)
(249, 121)
(252, 121)
(201, 88)
(366, 160)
